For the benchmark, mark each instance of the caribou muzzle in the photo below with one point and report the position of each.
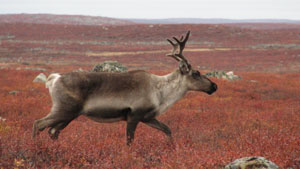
(213, 88)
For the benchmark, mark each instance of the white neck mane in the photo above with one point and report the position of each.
(170, 89)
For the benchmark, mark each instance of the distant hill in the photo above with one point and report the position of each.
(210, 21)
(61, 19)
(105, 21)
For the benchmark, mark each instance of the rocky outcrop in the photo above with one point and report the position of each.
(109, 66)
(223, 75)
(79, 70)
(13, 92)
(2, 119)
(252, 163)
(41, 78)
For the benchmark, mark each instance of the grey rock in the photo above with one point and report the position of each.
(2, 119)
(13, 92)
(79, 70)
(251, 162)
(223, 75)
(109, 66)
(41, 78)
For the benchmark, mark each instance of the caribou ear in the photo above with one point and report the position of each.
(184, 67)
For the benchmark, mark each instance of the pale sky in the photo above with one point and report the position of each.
(154, 9)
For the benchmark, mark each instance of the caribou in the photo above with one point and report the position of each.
(135, 96)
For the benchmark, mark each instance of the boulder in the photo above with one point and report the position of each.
(2, 119)
(218, 74)
(13, 92)
(232, 76)
(41, 78)
(79, 70)
(109, 66)
(223, 75)
(251, 162)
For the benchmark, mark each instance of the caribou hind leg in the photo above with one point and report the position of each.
(130, 130)
(57, 120)
(54, 131)
(41, 124)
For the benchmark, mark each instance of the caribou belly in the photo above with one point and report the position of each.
(105, 110)
(106, 115)
(106, 120)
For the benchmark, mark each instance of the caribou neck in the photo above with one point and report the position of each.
(171, 88)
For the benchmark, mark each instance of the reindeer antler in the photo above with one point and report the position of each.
(181, 44)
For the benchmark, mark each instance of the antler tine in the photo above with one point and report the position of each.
(181, 44)
(173, 44)
(181, 38)
(175, 48)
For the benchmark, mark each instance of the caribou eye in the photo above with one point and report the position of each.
(196, 75)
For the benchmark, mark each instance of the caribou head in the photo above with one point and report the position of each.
(193, 78)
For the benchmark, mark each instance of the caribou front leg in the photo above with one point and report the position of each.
(160, 126)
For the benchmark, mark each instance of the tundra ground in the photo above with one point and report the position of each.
(256, 116)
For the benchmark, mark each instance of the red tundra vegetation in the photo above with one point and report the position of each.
(256, 116)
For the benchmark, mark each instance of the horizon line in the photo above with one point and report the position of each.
(148, 18)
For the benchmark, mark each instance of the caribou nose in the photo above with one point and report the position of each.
(214, 86)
